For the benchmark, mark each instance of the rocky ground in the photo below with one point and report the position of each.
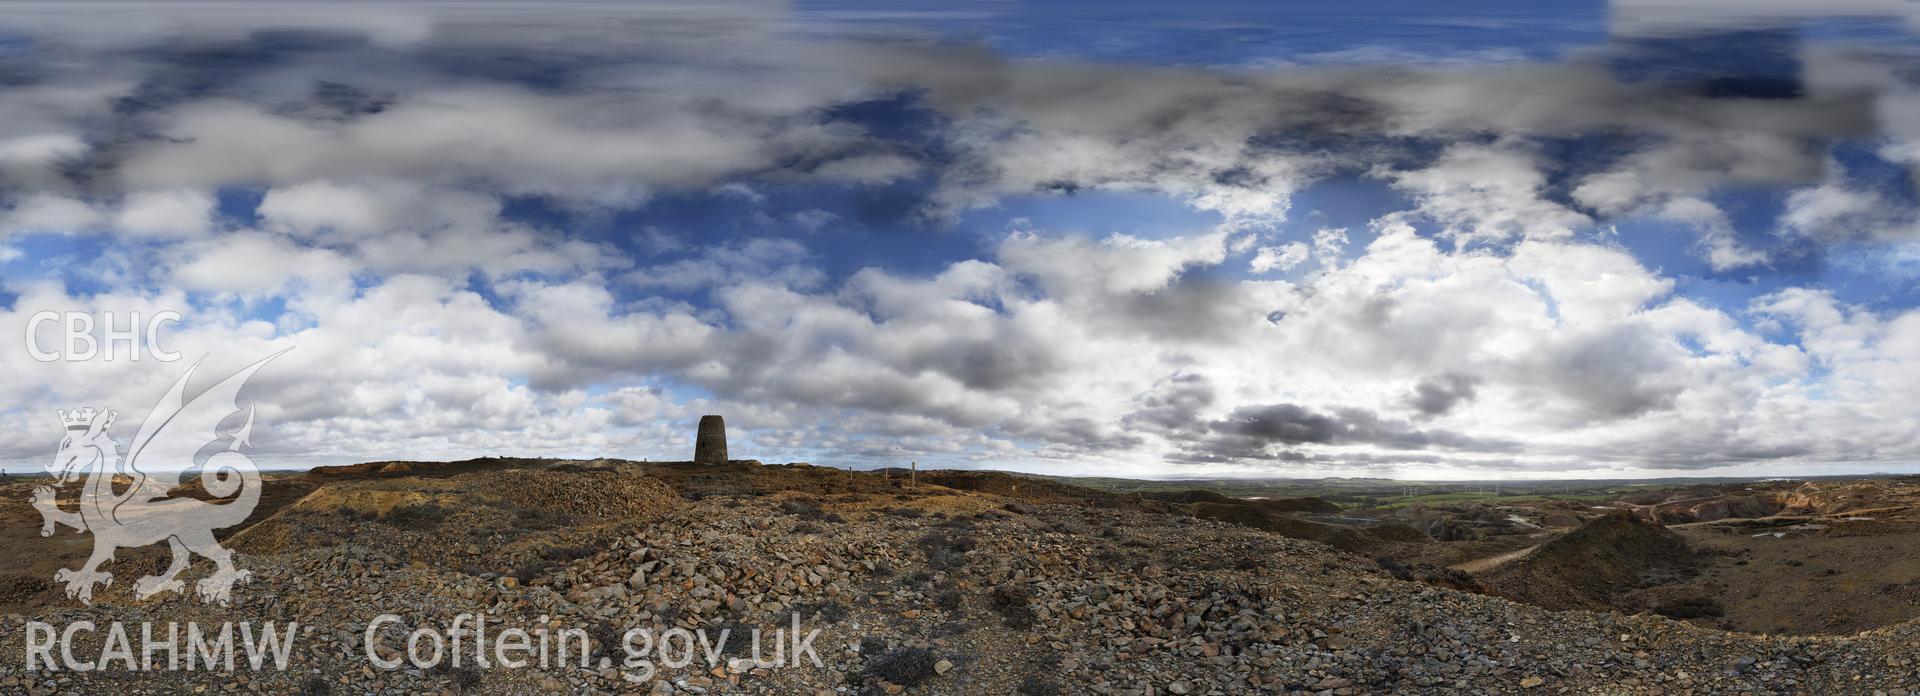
(918, 589)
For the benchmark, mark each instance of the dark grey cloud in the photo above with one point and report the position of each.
(1174, 410)
(1439, 395)
(1196, 307)
(1174, 405)
(1293, 424)
(1083, 436)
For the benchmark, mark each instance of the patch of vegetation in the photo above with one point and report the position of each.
(1035, 686)
(948, 597)
(1690, 608)
(804, 509)
(419, 517)
(316, 686)
(739, 639)
(910, 667)
(16, 587)
(1111, 556)
(1072, 528)
(537, 569)
(829, 611)
(551, 559)
(1015, 606)
(542, 519)
(566, 554)
(465, 678)
(946, 550)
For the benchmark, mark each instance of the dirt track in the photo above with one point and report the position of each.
(1482, 565)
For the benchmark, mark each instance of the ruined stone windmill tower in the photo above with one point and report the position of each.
(710, 444)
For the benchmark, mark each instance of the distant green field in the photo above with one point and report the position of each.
(1471, 497)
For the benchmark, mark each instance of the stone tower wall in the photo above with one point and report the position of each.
(710, 445)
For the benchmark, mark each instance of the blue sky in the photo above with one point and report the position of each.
(1470, 240)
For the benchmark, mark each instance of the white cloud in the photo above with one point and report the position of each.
(1488, 194)
(1724, 250)
(256, 265)
(1835, 213)
(1279, 258)
(50, 213)
(40, 149)
(166, 213)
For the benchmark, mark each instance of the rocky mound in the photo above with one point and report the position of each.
(742, 478)
(1345, 538)
(1301, 504)
(394, 468)
(1272, 515)
(490, 517)
(1587, 567)
(1717, 508)
(1037, 490)
(1474, 521)
(1844, 498)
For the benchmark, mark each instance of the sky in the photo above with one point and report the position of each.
(1473, 240)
